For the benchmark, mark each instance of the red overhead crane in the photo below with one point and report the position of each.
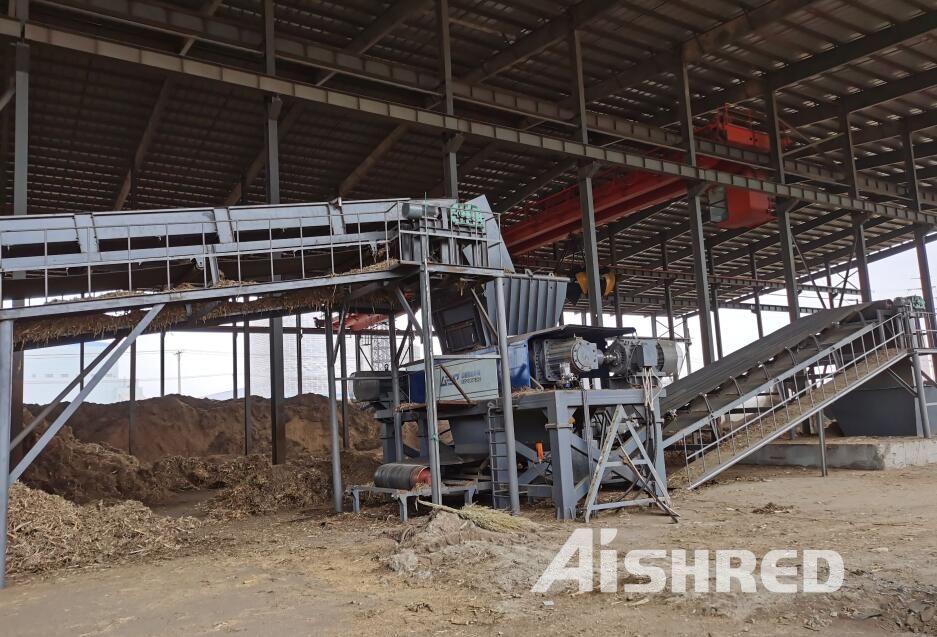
(558, 216)
(619, 195)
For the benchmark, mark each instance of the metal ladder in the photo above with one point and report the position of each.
(498, 460)
(787, 394)
(641, 466)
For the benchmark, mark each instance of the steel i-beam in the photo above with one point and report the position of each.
(507, 405)
(432, 422)
(862, 257)
(334, 434)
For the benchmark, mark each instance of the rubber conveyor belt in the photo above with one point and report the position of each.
(737, 365)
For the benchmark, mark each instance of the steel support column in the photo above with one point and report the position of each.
(686, 336)
(299, 354)
(273, 106)
(357, 351)
(921, 392)
(861, 256)
(590, 243)
(685, 110)
(334, 435)
(132, 399)
(782, 210)
(81, 363)
(450, 143)
(432, 422)
(20, 189)
(616, 294)
(695, 211)
(849, 154)
(5, 141)
(507, 402)
(910, 167)
(668, 293)
(277, 415)
(776, 153)
(916, 343)
(248, 414)
(756, 291)
(6, 418)
(587, 170)
(927, 288)
(717, 320)
(21, 134)
(343, 371)
(395, 388)
(700, 272)
(821, 435)
(162, 363)
(234, 364)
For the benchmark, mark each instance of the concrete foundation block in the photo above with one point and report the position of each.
(860, 452)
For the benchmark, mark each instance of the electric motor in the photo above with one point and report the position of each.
(629, 356)
(564, 360)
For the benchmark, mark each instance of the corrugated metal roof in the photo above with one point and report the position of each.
(88, 114)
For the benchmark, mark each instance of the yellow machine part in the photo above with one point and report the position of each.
(608, 283)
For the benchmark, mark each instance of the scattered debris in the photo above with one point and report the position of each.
(47, 532)
(268, 490)
(449, 547)
(261, 488)
(181, 473)
(418, 606)
(771, 507)
(488, 519)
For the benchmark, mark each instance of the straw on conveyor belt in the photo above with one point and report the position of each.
(99, 325)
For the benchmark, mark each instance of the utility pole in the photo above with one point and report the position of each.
(179, 371)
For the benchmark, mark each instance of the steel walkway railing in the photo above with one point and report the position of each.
(784, 399)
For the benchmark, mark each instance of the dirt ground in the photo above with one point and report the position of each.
(316, 573)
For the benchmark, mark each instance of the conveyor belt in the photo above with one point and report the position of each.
(740, 362)
(731, 408)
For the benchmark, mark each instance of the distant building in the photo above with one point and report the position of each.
(47, 371)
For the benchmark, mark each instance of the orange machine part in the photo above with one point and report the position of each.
(746, 209)
(744, 136)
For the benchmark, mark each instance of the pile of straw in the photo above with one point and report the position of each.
(47, 532)
(488, 519)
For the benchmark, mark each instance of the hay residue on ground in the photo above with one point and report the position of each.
(263, 488)
(47, 532)
(84, 501)
(444, 546)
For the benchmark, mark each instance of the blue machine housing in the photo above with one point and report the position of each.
(518, 355)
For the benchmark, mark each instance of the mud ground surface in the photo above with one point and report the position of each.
(311, 573)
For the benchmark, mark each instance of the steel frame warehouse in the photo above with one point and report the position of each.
(143, 104)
